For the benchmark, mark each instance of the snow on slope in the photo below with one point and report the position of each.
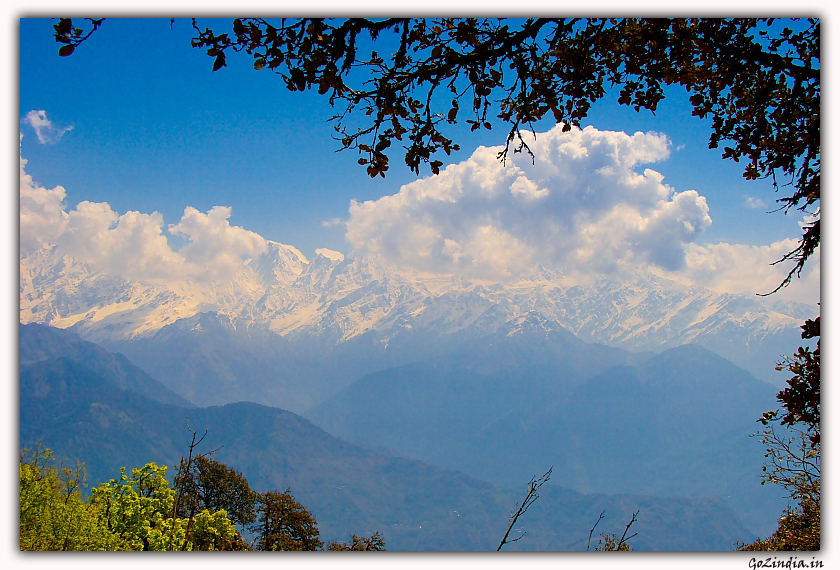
(340, 298)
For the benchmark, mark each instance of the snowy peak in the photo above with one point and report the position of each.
(338, 298)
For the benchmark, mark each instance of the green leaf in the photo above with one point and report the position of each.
(66, 50)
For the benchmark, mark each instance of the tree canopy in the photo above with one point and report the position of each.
(285, 524)
(138, 511)
(215, 486)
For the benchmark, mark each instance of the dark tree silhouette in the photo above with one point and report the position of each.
(284, 524)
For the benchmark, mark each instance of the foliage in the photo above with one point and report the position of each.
(131, 513)
(757, 79)
(359, 543)
(207, 531)
(135, 512)
(612, 542)
(801, 399)
(53, 514)
(214, 486)
(796, 467)
(799, 529)
(284, 524)
(794, 462)
(132, 506)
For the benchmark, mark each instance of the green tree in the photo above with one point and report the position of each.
(215, 486)
(136, 504)
(53, 513)
(284, 524)
(359, 543)
(138, 508)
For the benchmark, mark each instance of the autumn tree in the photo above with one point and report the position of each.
(284, 524)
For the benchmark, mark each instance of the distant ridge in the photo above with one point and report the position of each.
(40, 342)
(328, 301)
(350, 489)
(677, 423)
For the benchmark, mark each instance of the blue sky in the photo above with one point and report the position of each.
(155, 130)
(152, 129)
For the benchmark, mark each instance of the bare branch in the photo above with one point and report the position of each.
(533, 486)
(626, 529)
(601, 516)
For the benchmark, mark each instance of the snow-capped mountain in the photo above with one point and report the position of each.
(334, 300)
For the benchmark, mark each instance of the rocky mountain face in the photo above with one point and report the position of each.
(284, 321)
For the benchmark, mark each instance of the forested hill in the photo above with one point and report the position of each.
(350, 489)
(41, 342)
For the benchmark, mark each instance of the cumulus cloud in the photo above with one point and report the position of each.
(582, 205)
(754, 202)
(45, 130)
(133, 245)
(216, 247)
(748, 270)
(42, 215)
(331, 223)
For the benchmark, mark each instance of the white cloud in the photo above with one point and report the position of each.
(748, 270)
(754, 202)
(133, 245)
(42, 215)
(216, 248)
(331, 223)
(581, 205)
(46, 131)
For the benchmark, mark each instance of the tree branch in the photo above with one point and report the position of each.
(533, 486)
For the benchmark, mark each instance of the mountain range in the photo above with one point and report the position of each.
(677, 424)
(85, 415)
(629, 388)
(291, 332)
